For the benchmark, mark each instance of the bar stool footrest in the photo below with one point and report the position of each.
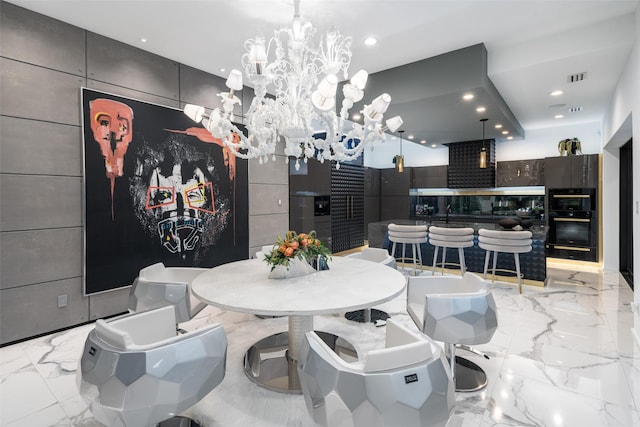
(490, 271)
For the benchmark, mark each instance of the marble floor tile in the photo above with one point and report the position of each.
(562, 356)
(519, 401)
(51, 416)
(23, 392)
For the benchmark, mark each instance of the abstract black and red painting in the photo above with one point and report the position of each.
(158, 188)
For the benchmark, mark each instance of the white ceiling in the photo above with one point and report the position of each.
(533, 45)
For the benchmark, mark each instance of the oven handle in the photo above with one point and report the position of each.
(570, 248)
(571, 220)
(571, 196)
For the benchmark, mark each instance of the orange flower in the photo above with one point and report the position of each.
(293, 244)
(282, 248)
(288, 251)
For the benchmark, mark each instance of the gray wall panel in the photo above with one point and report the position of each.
(40, 134)
(263, 229)
(269, 173)
(40, 256)
(45, 202)
(40, 40)
(36, 306)
(109, 303)
(131, 93)
(114, 62)
(40, 148)
(265, 197)
(37, 93)
(201, 88)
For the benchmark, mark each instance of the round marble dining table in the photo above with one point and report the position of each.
(244, 286)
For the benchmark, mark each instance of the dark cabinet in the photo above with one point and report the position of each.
(347, 207)
(330, 201)
(429, 177)
(520, 173)
(393, 183)
(394, 194)
(309, 199)
(313, 178)
(579, 171)
(371, 198)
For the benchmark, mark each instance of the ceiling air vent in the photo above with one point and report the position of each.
(573, 78)
(575, 109)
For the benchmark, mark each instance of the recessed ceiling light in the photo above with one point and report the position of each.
(558, 116)
(467, 96)
(505, 132)
(556, 93)
(433, 145)
(370, 41)
(144, 40)
(498, 126)
(222, 70)
(423, 141)
(410, 137)
(481, 109)
(509, 138)
(356, 116)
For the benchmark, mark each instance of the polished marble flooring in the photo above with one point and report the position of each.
(563, 355)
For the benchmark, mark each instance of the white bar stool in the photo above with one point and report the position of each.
(414, 235)
(507, 241)
(445, 237)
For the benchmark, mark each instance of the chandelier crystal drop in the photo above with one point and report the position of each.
(295, 83)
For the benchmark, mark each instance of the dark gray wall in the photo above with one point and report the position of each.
(43, 65)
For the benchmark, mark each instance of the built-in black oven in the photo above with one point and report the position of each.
(573, 231)
(572, 199)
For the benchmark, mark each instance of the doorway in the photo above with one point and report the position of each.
(626, 213)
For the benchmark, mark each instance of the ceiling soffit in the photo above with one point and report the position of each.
(428, 96)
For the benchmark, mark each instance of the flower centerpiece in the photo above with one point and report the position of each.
(297, 255)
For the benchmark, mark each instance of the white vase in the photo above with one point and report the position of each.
(297, 268)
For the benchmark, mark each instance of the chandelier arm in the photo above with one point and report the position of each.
(302, 77)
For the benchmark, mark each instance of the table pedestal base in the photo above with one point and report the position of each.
(267, 364)
(469, 376)
(367, 315)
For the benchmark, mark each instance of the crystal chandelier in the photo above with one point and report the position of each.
(303, 78)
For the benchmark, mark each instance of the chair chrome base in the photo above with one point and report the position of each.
(469, 376)
(367, 315)
(179, 422)
(267, 364)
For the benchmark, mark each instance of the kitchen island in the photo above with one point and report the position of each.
(532, 264)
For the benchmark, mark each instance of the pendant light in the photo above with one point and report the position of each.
(483, 153)
(400, 157)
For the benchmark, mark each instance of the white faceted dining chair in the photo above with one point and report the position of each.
(137, 370)
(366, 315)
(458, 311)
(406, 384)
(157, 286)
